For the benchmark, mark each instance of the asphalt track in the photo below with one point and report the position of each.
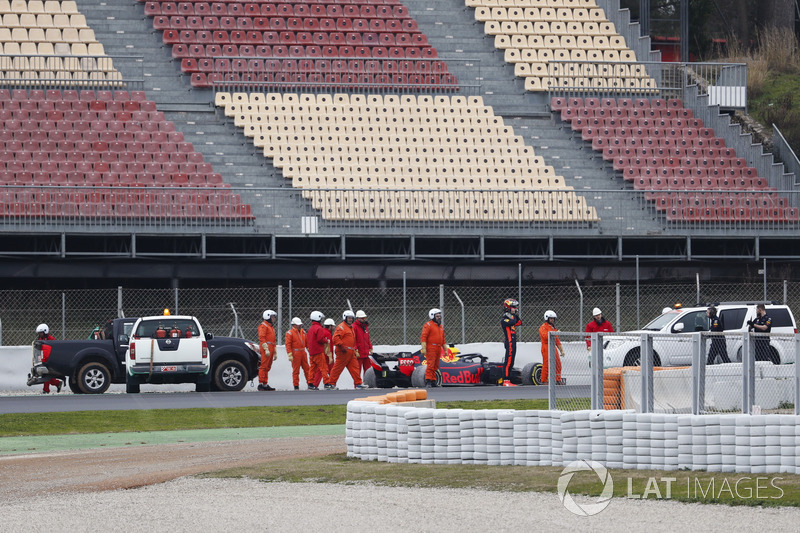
(185, 400)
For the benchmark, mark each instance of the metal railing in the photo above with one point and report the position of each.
(724, 83)
(326, 74)
(677, 373)
(72, 72)
(334, 211)
(786, 155)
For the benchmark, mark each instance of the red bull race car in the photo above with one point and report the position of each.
(406, 369)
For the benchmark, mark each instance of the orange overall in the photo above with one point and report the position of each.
(266, 343)
(433, 339)
(544, 329)
(296, 350)
(318, 340)
(344, 344)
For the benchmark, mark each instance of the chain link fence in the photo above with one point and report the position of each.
(396, 314)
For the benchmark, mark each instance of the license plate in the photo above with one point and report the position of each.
(169, 368)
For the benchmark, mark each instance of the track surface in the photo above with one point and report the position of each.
(52, 403)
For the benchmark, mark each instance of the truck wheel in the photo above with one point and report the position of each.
(370, 380)
(72, 382)
(94, 378)
(532, 374)
(203, 387)
(131, 384)
(230, 375)
(418, 377)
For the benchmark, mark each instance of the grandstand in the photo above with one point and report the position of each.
(376, 130)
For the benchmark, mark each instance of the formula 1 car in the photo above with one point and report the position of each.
(406, 369)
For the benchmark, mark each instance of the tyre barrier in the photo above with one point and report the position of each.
(397, 433)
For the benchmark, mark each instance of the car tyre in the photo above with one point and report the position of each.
(634, 358)
(370, 379)
(418, 377)
(532, 374)
(131, 384)
(230, 375)
(94, 378)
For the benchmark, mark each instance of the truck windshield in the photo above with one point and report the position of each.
(167, 327)
(659, 322)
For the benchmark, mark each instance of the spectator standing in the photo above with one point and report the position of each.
(43, 334)
(318, 341)
(363, 341)
(762, 324)
(548, 326)
(266, 342)
(718, 345)
(509, 324)
(296, 350)
(432, 344)
(598, 324)
(344, 346)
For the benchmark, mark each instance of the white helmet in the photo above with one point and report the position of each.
(361, 314)
(296, 321)
(433, 312)
(666, 310)
(43, 328)
(329, 322)
(269, 313)
(317, 316)
(596, 311)
(550, 314)
(348, 313)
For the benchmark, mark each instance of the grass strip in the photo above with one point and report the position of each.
(75, 422)
(17, 425)
(766, 490)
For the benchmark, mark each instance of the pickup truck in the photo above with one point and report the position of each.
(91, 366)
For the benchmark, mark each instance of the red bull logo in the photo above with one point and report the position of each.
(462, 377)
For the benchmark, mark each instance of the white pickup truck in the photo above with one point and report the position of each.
(167, 349)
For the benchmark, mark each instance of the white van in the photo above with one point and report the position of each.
(677, 350)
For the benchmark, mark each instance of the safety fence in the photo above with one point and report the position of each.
(676, 373)
(396, 313)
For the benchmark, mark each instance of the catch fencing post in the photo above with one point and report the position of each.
(463, 323)
(405, 309)
(120, 312)
(748, 372)
(646, 366)
(580, 312)
(280, 307)
(597, 371)
(63, 315)
(441, 301)
(551, 366)
(698, 373)
(796, 374)
(290, 302)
